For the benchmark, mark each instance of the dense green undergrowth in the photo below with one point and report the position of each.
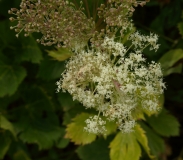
(36, 123)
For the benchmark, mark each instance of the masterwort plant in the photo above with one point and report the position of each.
(105, 73)
(115, 81)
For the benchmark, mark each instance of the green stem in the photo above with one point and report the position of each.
(145, 47)
(98, 115)
(87, 9)
(125, 53)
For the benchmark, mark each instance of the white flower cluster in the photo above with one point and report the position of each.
(95, 125)
(141, 41)
(115, 81)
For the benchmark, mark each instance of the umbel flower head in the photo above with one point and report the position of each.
(63, 22)
(59, 21)
(115, 80)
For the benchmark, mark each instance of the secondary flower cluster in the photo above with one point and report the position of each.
(114, 80)
(62, 22)
(58, 20)
(116, 15)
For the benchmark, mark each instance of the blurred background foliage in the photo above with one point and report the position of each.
(33, 117)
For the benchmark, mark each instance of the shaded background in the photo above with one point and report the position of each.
(34, 116)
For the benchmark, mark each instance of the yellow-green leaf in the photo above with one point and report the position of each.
(75, 130)
(155, 142)
(142, 139)
(5, 124)
(125, 147)
(21, 155)
(110, 127)
(5, 142)
(61, 54)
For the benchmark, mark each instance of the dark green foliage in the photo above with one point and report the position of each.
(33, 117)
(97, 150)
(11, 77)
(164, 124)
(155, 142)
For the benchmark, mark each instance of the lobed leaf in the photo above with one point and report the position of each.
(75, 130)
(155, 142)
(21, 155)
(111, 127)
(97, 150)
(5, 142)
(62, 142)
(125, 145)
(10, 78)
(5, 124)
(169, 59)
(50, 69)
(42, 136)
(29, 50)
(164, 124)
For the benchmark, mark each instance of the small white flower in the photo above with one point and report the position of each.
(95, 125)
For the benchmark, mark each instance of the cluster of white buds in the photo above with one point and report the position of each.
(114, 80)
(140, 41)
(95, 125)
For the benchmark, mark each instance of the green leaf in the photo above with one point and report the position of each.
(41, 124)
(176, 69)
(5, 142)
(71, 109)
(29, 50)
(21, 155)
(164, 124)
(42, 128)
(37, 99)
(60, 54)
(62, 142)
(66, 101)
(155, 142)
(97, 150)
(10, 78)
(7, 36)
(75, 130)
(43, 134)
(5, 124)
(50, 69)
(169, 59)
(125, 147)
(180, 27)
(167, 19)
